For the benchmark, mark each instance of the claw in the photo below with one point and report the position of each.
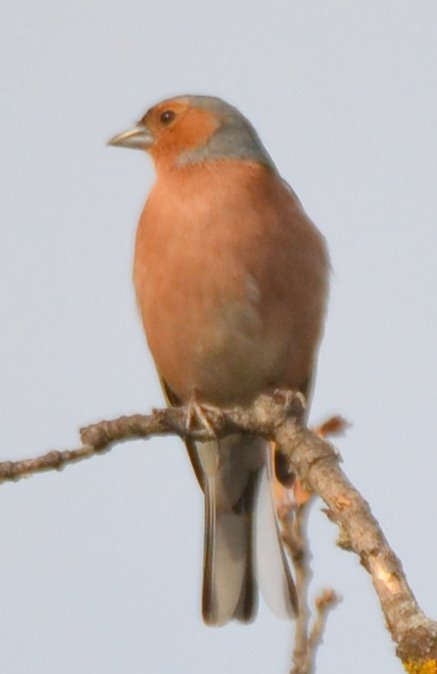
(200, 415)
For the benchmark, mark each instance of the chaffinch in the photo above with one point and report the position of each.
(231, 279)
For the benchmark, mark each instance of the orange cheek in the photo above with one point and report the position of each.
(198, 128)
(193, 131)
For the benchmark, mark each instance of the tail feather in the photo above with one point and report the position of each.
(229, 585)
(274, 577)
(247, 606)
(229, 472)
(232, 469)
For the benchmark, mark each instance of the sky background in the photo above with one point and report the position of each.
(100, 565)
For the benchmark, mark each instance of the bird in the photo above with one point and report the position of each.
(231, 279)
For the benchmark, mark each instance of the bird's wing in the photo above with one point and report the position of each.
(193, 453)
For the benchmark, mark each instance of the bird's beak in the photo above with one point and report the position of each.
(139, 137)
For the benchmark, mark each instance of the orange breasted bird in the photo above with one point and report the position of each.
(231, 279)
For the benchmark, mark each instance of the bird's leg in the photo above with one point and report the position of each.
(199, 414)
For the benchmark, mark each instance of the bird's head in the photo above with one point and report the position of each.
(193, 129)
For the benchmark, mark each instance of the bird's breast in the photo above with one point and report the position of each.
(211, 313)
(201, 313)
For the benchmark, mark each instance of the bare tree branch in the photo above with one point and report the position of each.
(294, 526)
(316, 463)
(326, 601)
(293, 515)
(293, 507)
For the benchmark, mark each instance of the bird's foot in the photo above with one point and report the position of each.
(201, 416)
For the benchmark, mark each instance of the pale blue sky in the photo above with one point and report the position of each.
(100, 565)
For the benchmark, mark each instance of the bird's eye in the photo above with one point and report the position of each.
(167, 116)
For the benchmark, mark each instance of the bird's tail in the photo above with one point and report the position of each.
(232, 469)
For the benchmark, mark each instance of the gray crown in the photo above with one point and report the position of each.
(235, 138)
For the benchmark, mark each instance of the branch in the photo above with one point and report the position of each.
(307, 639)
(316, 463)
(293, 505)
(101, 437)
